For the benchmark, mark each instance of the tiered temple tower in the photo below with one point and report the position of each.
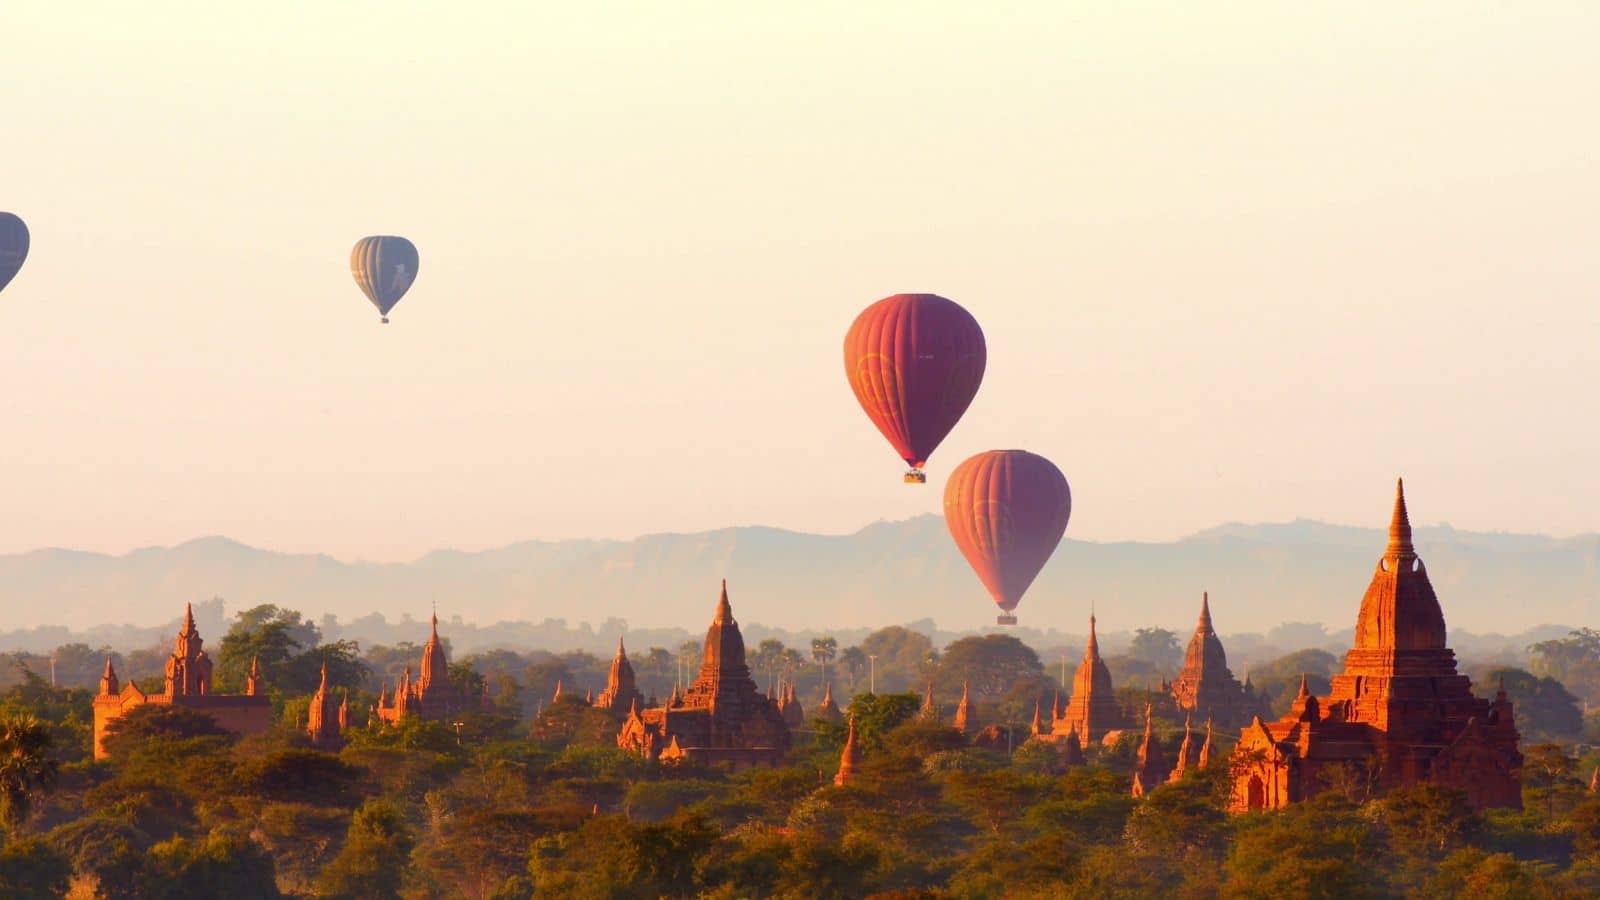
(325, 723)
(723, 717)
(433, 696)
(1206, 688)
(621, 689)
(188, 684)
(1092, 711)
(1399, 708)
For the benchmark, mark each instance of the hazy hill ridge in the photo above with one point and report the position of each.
(888, 572)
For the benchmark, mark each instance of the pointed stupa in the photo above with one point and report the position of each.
(1072, 749)
(850, 757)
(1037, 726)
(109, 685)
(1150, 769)
(930, 709)
(588, 697)
(1205, 749)
(1400, 612)
(1092, 709)
(435, 667)
(1304, 706)
(1594, 781)
(829, 710)
(557, 695)
(1187, 752)
(966, 721)
(252, 682)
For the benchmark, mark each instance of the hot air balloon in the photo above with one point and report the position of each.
(13, 247)
(915, 362)
(1007, 510)
(384, 266)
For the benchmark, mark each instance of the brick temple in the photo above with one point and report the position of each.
(1206, 689)
(432, 696)
(1400, 714)
(722, 718)
(188, 684)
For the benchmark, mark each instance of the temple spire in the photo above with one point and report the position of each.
(1400, 526)
(1594, 781)
(1205, 749)
(850, 757)
(1092, 651)
(964, 721)
(188, 619)
(1205, 613)
(1037, 726)
(108, 682)
(724, 610)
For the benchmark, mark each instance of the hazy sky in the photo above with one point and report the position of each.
(1244, 265)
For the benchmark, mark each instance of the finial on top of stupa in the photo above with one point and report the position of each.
(1400, 525)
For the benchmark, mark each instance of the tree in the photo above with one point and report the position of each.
(1157, 646)
(767, 658)
(372, 863)
(854, 663)
(902, 657)
(875, 715)
(26, 767)
(225, 863)
(268, 633)
(823, 650)
(1322, 848)
(1573, 660)
(989, 665)
(147, 723)
(31, 869)
(1544, 708)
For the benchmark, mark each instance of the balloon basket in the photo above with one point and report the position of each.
(384, 320)
(1005, 620)
(916, 476)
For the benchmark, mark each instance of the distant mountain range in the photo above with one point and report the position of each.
(1259, 576)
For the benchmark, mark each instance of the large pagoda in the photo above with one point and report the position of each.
(722, 718)
(1400, 714)
(1206, 688)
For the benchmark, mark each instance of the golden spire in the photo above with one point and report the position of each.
(724, 610)
(1400, 526)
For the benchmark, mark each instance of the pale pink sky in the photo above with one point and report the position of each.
(1244, 265)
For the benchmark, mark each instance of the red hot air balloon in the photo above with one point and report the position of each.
(1007, 510)
(915, 362)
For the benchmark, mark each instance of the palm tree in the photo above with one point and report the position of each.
(823, 650)
(854, 660)
(26, 767)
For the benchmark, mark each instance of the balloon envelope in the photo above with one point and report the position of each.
(13, 247)
(1007, 510)
(384, 266)
(915, 362)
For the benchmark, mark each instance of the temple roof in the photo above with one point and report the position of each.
(1400, 610)
(724, 647)
(434, 664)
(1204, 654)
